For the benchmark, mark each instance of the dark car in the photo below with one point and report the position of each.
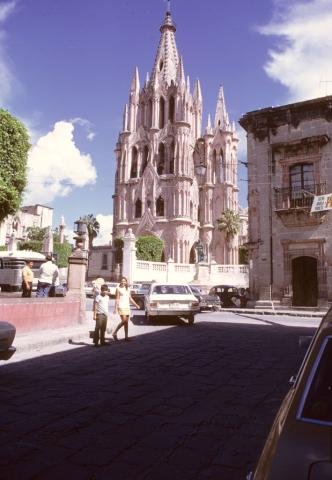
(140, 295)
(7, 335)
(229, 295)
(206, 301)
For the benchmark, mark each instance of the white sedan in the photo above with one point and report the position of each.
(175, 300)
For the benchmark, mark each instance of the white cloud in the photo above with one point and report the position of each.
(56, 166)
(106, 227)
(6, 77)
(301, 58)
(6, 9)
(86, 124)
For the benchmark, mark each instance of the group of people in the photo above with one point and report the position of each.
(47, 280)
(123, 299)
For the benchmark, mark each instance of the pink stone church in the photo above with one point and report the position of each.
(158, 190)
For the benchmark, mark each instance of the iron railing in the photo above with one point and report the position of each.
(292, 198)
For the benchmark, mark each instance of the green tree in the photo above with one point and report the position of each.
(118, 249)
(93, 227)
(14, 147)
(149, 248)
(243, 255)
(36, 233)
(229, 223)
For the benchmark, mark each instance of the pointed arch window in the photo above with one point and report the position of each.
(171, 160)
(133, 170)
(144, 159)
(161, 159)
(214, 166)
(171, 109)
(149, 114)
(160, 206)
(161, 112)
(138, 208)
(222, 167)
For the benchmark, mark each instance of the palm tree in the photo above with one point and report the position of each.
(93, 227)
(229, 223)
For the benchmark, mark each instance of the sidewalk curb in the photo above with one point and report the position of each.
(262, 311)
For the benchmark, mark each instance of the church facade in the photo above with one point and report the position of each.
(157, 189)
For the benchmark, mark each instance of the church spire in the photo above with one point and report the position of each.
(135, 86)
(167, 58)
(180, 77)
(197, 95)
(221, 116)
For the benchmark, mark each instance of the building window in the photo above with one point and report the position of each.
(171, 160)
(133, 170)
(161, 159)
(144, 159)
(138, 208)
(160, 207)
(104, 265)
(171, 109)
(301, 179)
(161, 112)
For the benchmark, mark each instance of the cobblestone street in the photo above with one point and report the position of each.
(178, 403)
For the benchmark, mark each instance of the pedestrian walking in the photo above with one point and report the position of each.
(48, 276)
(27, 279)
(122, 307)
(100, 315)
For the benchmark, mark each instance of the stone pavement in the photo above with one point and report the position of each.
(177, 402)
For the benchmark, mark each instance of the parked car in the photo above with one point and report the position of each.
(299, 444)
(112, 286)
(7, 335)
(140, 295)
(134, 288)
(61, 290)
(175, 300)
(206, 301)
(89, 289)
(228, 294)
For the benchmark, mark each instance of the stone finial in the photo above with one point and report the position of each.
(125, 119)
(135, 84)
(180, 77)
(197, 91)
(221, 116)
(208, 130)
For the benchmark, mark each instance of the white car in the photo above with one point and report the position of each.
(7, 335)
(112, 286)
(169, 299)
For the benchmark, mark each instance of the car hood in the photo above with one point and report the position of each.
(172, 297)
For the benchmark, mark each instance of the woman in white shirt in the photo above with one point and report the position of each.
(122, 307)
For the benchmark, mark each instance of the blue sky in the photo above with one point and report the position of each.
(66, 66)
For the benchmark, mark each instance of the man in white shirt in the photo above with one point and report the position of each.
(48, 276)
(100, 315)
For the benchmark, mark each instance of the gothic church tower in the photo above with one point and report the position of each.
(157, 191)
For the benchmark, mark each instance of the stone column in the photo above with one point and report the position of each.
(129, 256)
(170, 270)
(77, 266)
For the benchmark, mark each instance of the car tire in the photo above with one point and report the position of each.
(191, 320)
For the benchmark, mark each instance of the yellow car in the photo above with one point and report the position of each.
(299, 445)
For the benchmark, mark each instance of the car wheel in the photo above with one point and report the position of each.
(215, 308)
(191, 320)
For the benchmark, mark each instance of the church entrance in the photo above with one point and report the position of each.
(192, 255)
(305, 282)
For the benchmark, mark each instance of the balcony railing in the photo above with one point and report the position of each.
(292, 198)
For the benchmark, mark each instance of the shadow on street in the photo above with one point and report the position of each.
(182, 403)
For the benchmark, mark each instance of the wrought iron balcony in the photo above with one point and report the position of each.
(297, 198)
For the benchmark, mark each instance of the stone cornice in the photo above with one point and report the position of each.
(264, 122)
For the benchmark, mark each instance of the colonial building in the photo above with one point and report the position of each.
(290, 161)
(28, 216)
(157, 190)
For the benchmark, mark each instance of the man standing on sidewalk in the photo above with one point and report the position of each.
(100, 315)
(48, 275)
(27, 279)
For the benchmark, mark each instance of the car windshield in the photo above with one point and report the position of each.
(171, 289)
(195, 290)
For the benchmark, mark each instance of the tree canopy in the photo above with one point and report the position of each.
(14, 147)
(93, 227)
(149, 248)
(229, 223)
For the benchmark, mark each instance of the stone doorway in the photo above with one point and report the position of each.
(304, 281)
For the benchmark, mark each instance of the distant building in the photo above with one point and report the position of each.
(100, 262)
(157, 191)
(243, 232)
(28, 216)
(290, 161)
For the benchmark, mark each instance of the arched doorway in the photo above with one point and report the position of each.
(305, 283)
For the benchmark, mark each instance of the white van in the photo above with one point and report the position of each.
(11, 264)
